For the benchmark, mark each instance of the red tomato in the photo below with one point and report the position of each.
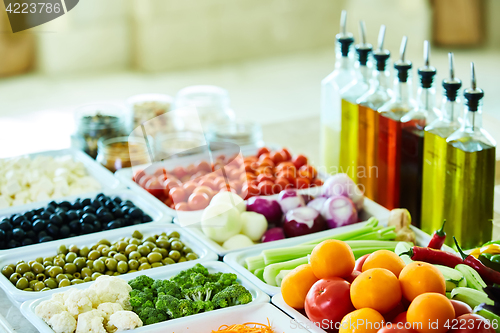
(277, 188)
(204, 189)
(191, 169)
(198, 201)
(160, 171)
(182, 206)
(302, 183)
(207, 183)
(179, 172)
(266, 187)
(263, 150)
(329, 299)
(469, 323)
(264, 169)
(353, 276)
(395, 312)
(168, 202)
(400, 318)
(178, 194)
(162, 178)
(144, 179)
(189, 187)
(154, 187)
(317, 182)
(299, 161)
(138, 175)
(254, 166)
(461, 308)
(287, 154)
(219, 182)
(285, 166)
(234, 173)
(185, 178)
(248, 167)
(252, 189)
(267, 162)
(170, 184)
(278, 157)
(308, 171)
(283, 182)
(264, 156)
(264, 176)
(203, 166)
(360, 262)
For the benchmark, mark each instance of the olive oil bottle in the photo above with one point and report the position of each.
(389, 133)
(470, 179)
(368, 104)
(349, 108)
(412, 139)
(343, 75)
(435, 153)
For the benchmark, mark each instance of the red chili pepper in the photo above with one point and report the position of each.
(438, 238)
(489, 275)
(433, 256)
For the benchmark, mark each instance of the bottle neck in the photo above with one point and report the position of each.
(426, 98)
(364, 72)
(403, 91)
(343, 62)
(450, 110)
(381, 79)
(473, 120)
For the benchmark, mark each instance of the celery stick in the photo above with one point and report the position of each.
(371, 226)
(382, 234)
(255, 262)
(271, 271)
(281, 276)
(259, 273)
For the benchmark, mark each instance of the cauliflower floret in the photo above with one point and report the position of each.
(109, 309)
(59, 297)
(92, 295)
(78, 302)
(47, 309)
(91, 322)
(112, 289)
(63, 322)
(122, 321)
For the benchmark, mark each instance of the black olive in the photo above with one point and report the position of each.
(56, 219)
(102, 199)
(86, 202)
(35, 217)
(2, 235)
(13, 244)
(3, 245)
(96, 203)
(88, 218)
(39, 211)
(28, 215)
(89, 209)
(64, 231)
(137, 222)
(38, 225)
(52, 230)
(114, 225)
(31, 234)
(50, 209)
(127, 203)
(146, 218)
(45, 239)
(5, 225)
(27, 241)
(18, 234)
(109, 204)
(60, 210)
(99, 211)
(72, 235)
(125, 210)
(72, 215)
(8, 234)
(45, 215)
(26, 225)
(74, 225)
(64, 216)
(135, 212)
(42, 234)
(97, 226)
(53, 203)
(117, 212)
(106, 217)
(65, 204)
(87, 228)
(127, 217)
(17, 219)
(99, 195)
(79, 213)
(77, 204)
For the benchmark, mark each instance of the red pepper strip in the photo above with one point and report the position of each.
(433, 256)
(438, 238)
(489, 275)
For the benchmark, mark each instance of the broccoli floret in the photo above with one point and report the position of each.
(233, 295)
(202, 293)
(152, 316)
(186, 307)
(202, 306)
(169, 305)
(141, 282)
(167, 287)
(198, 279)
(227, 279)
(140, 299)
(183, 279)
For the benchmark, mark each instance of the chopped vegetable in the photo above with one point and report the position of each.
(246, 328)
(229, 198)
(237, 242)
(221, 222)
(268, 207)
(339, 211)
(273, 234)
(438, 238)
(302, 221)
(254, 225)
(341, 185)
(290, 199)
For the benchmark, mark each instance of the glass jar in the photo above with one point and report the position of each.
(96, 121)
(244, 134)
(145, 107)
(179, 144)
(122, 152)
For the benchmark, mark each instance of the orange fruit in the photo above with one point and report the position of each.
(362, 321)
(332, 258)
(420, 277)
(296, 284)
(376, 288)
(384, 259)
(430, 312)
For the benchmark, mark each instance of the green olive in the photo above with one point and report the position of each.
(137, 234)
(86, 272)
(32, 283)
(133, 264)
(90, 263)
(62, 249)
(156, 250)
(164, 252)
(182, 259)
(95, 275)
(135, 241)
(111, 264)
(94, 254)
(175, 255)
(76, 275)
(60, 256)
(191, 256)
(105, 251)
(79, 263)
(37, 268)
(76, 281)
(122, 267)
(29, 275)
(7, 271)
(163, 233)
(168, 261)
(51, 283)
(64, 283)
(149, 239)
(112, 253)
(40, 277)
(130, 248)
(110, 273)
(143, 250)
(144, 266)
(99, 266)
(104, 241)
(73, 248)
(60, 277)
(163, 243)
(174, 234)
(186, 249)
(156, 264)
(39, 260)
(134, 255)
(48, 264)
(151, 245)
(84, 251)
(142, 260)
(31, 262)
(54, 271)
(154, 257)
(176, 245)
(45, 289)
(22, 268)
(113, 248)
(71, 256)
(69, 276)
(14, 277)
(87, 279)
(132, 271)
(120, 257)
(116, 274)
(39, 286)
(59, 262)
(22, 283)
(48, 259)
(28, 289)
(121, 245)
(70, 268)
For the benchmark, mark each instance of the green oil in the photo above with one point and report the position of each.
(349, 139)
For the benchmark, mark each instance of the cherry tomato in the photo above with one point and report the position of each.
(266, 187)
(189, 187)
(317, 182)
(178, 194)
(278, 157)
(207, 183)
(168, 202)
(191, 169)
(248, 167)
(299, 161)
(288, 175)
(162, 178)
(160, 171)
(250, 190)
(461, 308)
(265, 169)
(263, 150)
(154, 187)
(360, 262)
(329, 300)
(218, 183)
(469, 323)
(185, 178)
(264, 156)
(182, 206)
(395, 329)
(286, 153)
(250, 176)
(144, 179)
(138, 175)
(283, 182)
(204, 189)
(392, 314)
(307, 171)
(204, 166)
(265, 176)
(267, 162)
(302, 183)
(198, 201)
(170, 184)
(277, 188)
(234, 173)
(179, 172)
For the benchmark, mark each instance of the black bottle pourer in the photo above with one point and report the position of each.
(344, 38)
(380, 55)
(403, 66)
(363, 49)
(427, 72)
(473, 95)
(451, 85)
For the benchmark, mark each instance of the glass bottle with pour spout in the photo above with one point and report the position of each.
(368, 104)
(330, 99)
(389, 134)
(470, 177)
(435, 153)
(412, 139)
(350, 110)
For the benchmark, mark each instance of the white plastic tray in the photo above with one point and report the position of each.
(94, 169)
(49, 250)
(153, 208)
(28, 308)
(298, 318)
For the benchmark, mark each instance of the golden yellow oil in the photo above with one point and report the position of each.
(348, 162)
(330, 149)
(367, 151)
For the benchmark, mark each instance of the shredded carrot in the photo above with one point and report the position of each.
(247, 328)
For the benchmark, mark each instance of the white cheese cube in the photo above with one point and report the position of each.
(41, 196)
(61, 172)
(18, 202)
(45, 184)
(12, 187)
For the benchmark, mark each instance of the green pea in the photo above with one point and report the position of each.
(76, 281)
(39, 286)
(70, 268)
(32, 283)
(22, 268)
(95, 275)
(60, 277)
(90, 263)
(73, 248)
(86, 272)
(130, 248)
(121, 246)
(176, 245)
(174, 254)
(71, 256)
(87, 279)
(40, 277)
(154, 257)
(22, 283)
(55, 270)
(137, 234)
(168, 261)
(182, 259)
(79, 263)
(135, 241)
(39, 260)
(51, 283)
(37, 268)
(7, 271)
(62, 249)
(104, 241)
(111, 264)
(29, 275)
(144, 266)
(191, 256)
(134, 255)
(143, 250)
(133, 264)
(64, 283)
(174, 234)
(120, 257)
(94, 255)
(14, 277)
(84, 251)
(99, 266)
